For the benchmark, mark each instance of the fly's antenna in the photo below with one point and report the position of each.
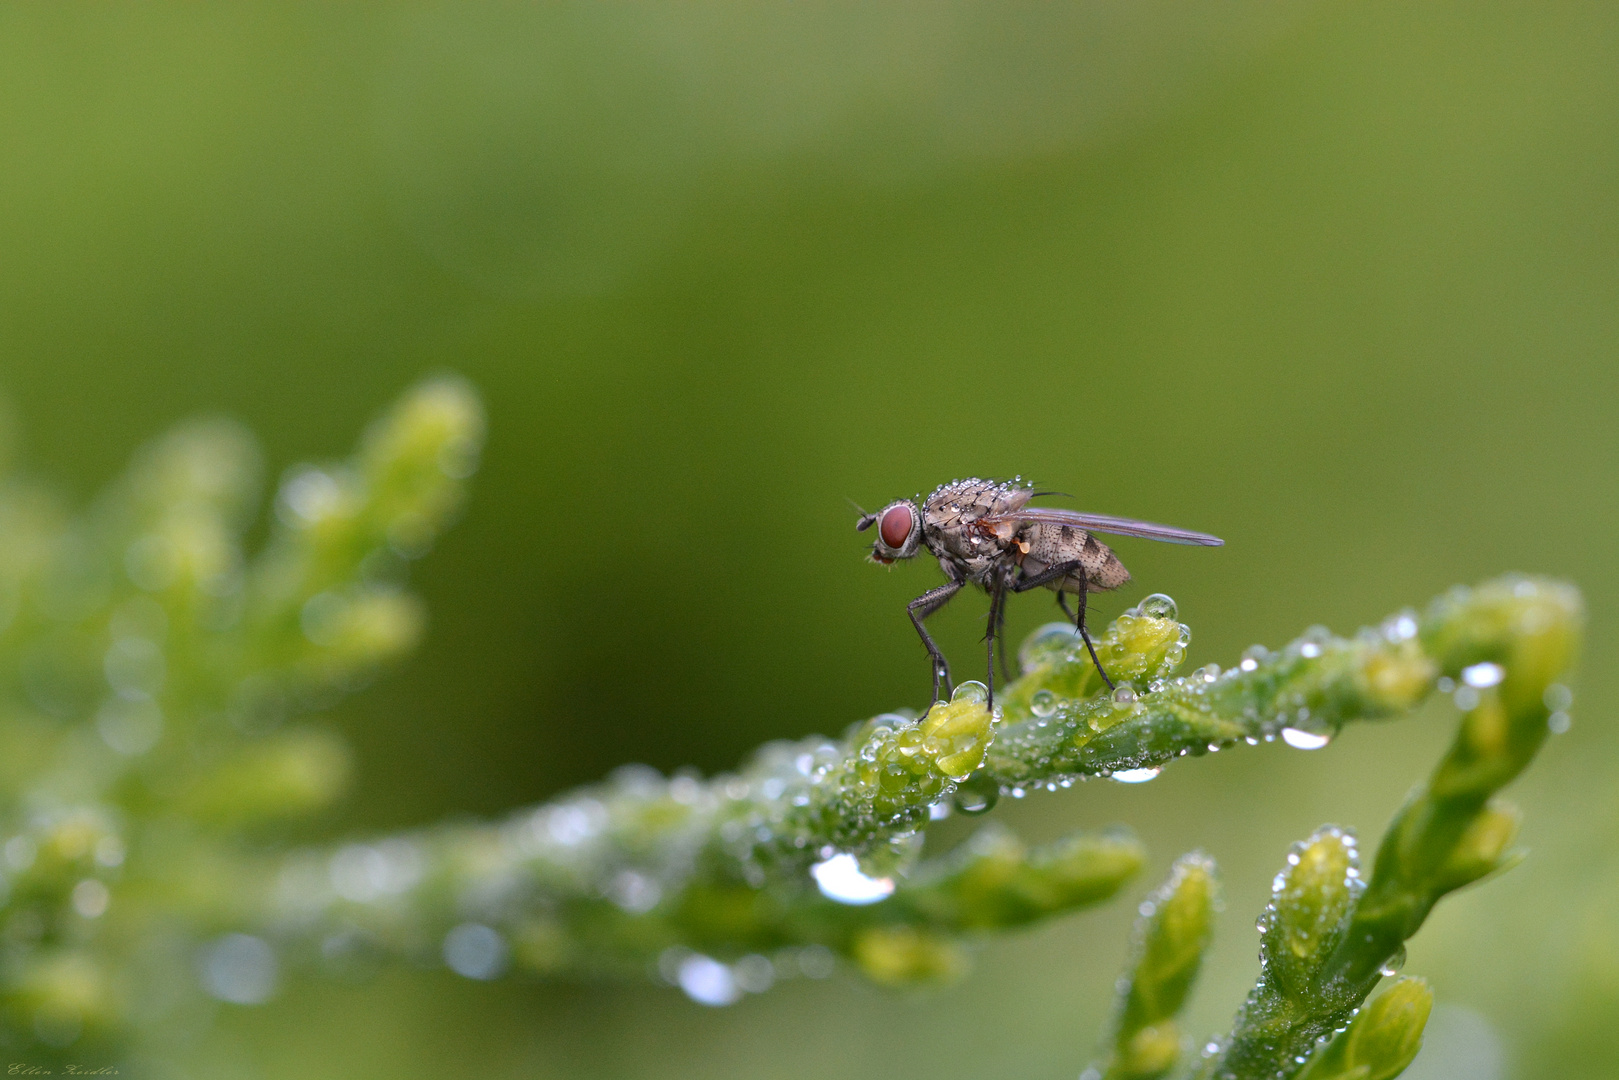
(866, 519)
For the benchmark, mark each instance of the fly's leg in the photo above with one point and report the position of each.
(920, 609)
(1061, 570)
(997, 614)
(1001, 643)
(1084, 592)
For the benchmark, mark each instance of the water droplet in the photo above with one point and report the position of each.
(239, 969)
(1557, 697)
(1249, 664)
(1043, 703)
(976, 798)
(1483, 675)
(707, 981)
(90, 898)
(1125, 694)
(1208, 673)
(971, 691)
(754, 973)
(1466, 698)
(1558, 722)
(1309, 650)
(1304, 740)
(1135, 776)
(1392, 966)
(1158, 606)
(839, 878)
(475, 951)
(1048, 644)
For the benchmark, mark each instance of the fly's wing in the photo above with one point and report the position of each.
(1118, 526)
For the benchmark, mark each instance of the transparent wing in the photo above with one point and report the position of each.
(1105, 524)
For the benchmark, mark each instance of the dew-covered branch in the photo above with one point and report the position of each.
(816, 844)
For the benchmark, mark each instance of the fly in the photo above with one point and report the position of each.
(984, 533)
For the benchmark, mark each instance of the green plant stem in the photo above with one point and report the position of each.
(1328, 939)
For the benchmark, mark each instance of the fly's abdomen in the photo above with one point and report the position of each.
(1050, 545)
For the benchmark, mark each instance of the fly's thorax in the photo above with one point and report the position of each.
(950, 522)
(971, 499)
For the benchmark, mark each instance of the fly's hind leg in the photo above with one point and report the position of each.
(919, 609)
(1053, 573)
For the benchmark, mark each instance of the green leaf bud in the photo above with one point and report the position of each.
(1398, 678)
(1148, 1054)
(1137, 647)
(904, 955)
(360, 628)
(1381, 1041)
(1310, 901)
(1482, 849)
(954, 735)
(66, 992)
(414, 459)
(1175, 927)
(1387, 1034)
(283, 776)
(1173, 931)
(993, 881)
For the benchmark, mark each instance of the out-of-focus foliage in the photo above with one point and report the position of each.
(155, 675)
(1337, 282)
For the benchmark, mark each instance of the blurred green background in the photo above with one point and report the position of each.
(1338, 282)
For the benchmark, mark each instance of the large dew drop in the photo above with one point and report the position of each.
(976, 797)
(839, 878)
(1158, 606)
(1135, 776)
(707, 981)
(975, 692)
(1481, 676)
(1049, 644)
(1304, 740)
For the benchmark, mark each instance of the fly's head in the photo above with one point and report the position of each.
(899, 531)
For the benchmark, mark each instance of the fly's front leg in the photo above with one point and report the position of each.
(1053, 573)
(920, 609)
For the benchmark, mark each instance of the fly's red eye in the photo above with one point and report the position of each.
(896, 526)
